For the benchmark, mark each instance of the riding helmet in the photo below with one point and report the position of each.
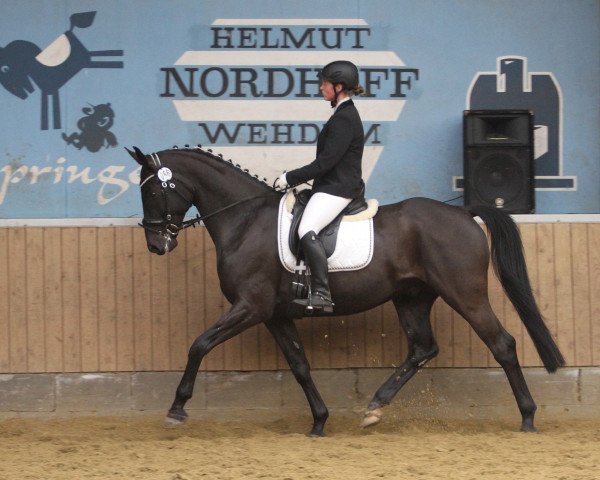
(340, 71)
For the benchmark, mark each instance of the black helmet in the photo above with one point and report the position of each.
(340, 71)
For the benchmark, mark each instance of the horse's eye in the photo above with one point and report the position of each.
(4, 69)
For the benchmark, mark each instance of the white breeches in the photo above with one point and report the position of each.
(321, 209)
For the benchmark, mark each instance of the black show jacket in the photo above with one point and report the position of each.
(337, 170)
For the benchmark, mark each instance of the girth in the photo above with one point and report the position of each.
(328, 235)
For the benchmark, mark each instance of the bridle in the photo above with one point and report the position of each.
(165, 176)
(167, 184)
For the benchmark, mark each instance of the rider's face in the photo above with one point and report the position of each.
(327, 90)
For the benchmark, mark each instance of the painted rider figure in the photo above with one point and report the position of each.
(336, 171)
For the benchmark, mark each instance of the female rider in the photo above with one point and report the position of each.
(336, 171)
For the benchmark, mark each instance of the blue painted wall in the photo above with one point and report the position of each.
(170, 66)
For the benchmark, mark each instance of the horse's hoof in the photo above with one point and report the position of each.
(316, 434)
(174, 420)
(528, 429)
(372, 417)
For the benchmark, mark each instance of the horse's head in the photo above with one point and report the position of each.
(166, 197)
(15, 60)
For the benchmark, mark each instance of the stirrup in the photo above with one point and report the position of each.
(322, 304)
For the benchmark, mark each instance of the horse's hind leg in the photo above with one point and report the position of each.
(414, 315)
(285, 333)
(504, 348)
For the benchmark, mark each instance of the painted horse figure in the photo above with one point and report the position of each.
(424, 249)
(50, 69)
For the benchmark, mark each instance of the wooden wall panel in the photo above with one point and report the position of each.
(546, 289)
(563, 279)
(141, 296)
(41, 297)
(71, 300)
(5, 316)
(88, 257)
(94, 299)
(582, 325)
(124, 326)
(594, 256)
(356, 344)
(17, 300)
(107, 299)
(53, 299)
(177, 296)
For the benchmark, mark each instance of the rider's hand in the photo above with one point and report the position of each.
(280, 183)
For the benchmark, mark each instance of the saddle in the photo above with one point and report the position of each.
(329, 234)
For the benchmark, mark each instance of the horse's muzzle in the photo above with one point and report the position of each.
(161, 244)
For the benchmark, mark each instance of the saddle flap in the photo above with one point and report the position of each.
(301, 200)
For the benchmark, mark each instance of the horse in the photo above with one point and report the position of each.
(424, 249)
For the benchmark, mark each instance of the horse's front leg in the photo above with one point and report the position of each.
(285, 333)
(238, 319)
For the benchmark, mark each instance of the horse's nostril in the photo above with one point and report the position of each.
(154, 249)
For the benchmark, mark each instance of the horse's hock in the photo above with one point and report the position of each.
(434, 393)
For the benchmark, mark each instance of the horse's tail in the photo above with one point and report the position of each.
(509, 264)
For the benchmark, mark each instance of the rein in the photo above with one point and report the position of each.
(201, 218)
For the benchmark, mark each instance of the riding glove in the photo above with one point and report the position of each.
(280, 183)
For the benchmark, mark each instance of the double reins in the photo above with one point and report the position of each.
(164, 174)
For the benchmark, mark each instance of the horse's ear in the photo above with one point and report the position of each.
(138, 156)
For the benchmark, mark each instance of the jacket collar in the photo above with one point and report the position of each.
(344, 104)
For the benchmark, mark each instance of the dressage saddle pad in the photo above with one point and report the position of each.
(355, 242)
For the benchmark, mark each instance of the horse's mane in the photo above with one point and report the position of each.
(228, 162)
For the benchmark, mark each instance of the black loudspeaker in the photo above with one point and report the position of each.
(498, 159)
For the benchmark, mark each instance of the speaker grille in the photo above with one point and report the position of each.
(500, 178)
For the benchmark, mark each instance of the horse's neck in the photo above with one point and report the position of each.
(220, 184)
(218, 187)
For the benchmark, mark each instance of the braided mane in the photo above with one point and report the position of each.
(219, 157)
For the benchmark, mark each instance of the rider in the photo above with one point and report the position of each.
(336, 171)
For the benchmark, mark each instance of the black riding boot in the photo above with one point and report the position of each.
(316, 259)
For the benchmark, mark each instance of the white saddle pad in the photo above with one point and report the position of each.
(355, 241)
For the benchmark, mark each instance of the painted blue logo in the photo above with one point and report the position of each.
(22, 62)
(513, 87)
(94, 129)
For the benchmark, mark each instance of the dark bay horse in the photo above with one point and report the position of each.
(424, 249)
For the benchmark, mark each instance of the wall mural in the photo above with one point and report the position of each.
(50, 69)
(263, 105)
(245, 86)
(94, 129)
